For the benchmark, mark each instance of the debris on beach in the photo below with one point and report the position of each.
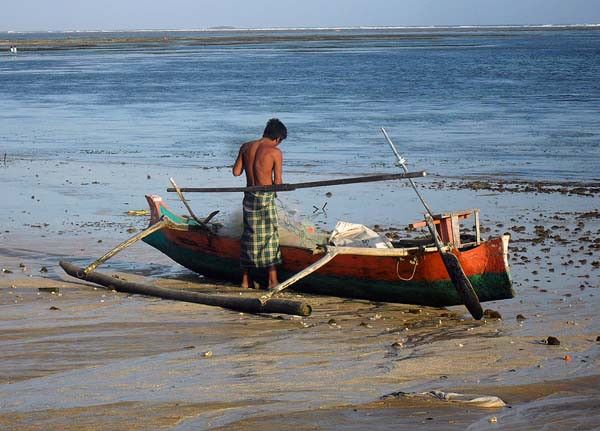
(552, 341)
(52, 290)
(138, 212)
(492, 314)
(486, 401)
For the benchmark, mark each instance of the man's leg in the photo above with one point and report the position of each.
(273, 277)
(246, 280)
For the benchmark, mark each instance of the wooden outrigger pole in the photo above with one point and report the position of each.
(286, 187)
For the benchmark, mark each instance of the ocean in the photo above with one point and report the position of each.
(508, 102)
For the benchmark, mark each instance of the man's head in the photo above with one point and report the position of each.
(275, 130)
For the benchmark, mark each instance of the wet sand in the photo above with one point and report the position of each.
(77, 357)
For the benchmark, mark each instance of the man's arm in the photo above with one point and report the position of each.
(238, 166)
(277, 166)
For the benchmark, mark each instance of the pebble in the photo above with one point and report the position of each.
(552, 341)
(207, 354)
(492, 314)
(521, 317)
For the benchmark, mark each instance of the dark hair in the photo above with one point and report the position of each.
(275, 130)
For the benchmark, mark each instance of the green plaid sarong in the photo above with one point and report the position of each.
(260, 238)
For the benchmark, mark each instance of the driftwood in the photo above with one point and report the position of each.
(293, 186)
(237, 303)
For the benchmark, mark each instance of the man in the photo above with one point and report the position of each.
(262, 162)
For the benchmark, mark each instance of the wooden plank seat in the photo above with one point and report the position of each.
(448, 225)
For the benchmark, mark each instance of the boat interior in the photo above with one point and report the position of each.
(449, 229)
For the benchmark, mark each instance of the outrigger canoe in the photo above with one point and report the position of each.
(412, 272)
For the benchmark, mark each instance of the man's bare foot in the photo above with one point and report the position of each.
(247, 282)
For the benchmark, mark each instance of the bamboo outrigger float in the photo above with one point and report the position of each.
(232, 302)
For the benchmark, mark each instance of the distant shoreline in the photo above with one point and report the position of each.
(216, 29)
(59, 40)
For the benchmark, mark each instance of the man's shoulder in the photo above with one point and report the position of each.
(270, 150)
(246, 145)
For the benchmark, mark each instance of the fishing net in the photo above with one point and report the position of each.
(294, 230)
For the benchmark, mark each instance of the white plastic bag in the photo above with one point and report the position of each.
(348, 234)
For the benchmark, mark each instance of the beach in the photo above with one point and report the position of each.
(75, 355)
(504, 120)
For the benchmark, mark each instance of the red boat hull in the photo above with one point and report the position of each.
(417, 278)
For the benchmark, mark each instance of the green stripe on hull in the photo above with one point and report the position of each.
(436, 294)
(205, 264)
(489, 287)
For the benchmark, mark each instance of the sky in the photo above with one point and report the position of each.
(33, 15)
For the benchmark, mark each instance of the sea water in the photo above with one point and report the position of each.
(114, 120)
(512, 102)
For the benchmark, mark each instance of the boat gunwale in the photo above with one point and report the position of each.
(187, 224)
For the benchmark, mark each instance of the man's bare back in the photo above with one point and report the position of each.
(262, 162)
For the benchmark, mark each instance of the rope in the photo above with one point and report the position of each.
(415, 261)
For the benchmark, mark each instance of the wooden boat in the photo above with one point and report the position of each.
(411, 272)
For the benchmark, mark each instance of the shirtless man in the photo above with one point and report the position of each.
(262, 162)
